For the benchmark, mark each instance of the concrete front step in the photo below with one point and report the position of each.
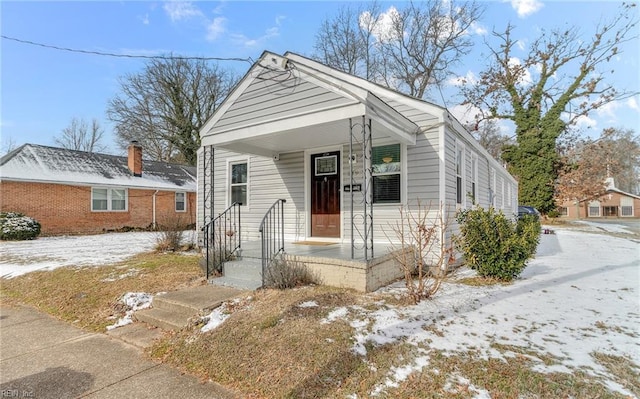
(245, 269)
(172, 311)
(237, 283)
(164, 319)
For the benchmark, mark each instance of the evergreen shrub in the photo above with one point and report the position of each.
(16, 226)
(494, 245)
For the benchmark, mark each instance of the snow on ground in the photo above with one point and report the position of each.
(608, 227)
(578, 296)
(48, 253)
(133, 301)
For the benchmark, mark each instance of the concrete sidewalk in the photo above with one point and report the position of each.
(41, 357)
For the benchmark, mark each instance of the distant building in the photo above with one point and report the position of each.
(76, 192)
(613, 203)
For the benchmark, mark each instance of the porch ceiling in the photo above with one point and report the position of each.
(329, 127)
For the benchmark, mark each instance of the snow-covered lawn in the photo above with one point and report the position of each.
(579, 296)
(48, 253)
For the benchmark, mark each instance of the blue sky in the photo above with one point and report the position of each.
(42, 89)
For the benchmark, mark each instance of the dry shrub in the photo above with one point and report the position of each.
(423, 253)
(283, 274)
(170, 236)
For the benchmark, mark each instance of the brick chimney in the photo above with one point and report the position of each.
(135, 158)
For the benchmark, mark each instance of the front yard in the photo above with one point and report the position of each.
(569, 327)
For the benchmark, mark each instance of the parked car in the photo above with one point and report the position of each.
(527, 210)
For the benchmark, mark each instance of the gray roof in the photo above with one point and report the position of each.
(38, 163)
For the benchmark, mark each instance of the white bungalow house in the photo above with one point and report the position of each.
(343, 154)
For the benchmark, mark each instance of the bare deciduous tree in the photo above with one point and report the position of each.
(489, 136)
(616, 153)
(421, 249)
(346, 42)
(164, 106)
(410, 50)
(8, 145)
(425, 40)
(81, 136)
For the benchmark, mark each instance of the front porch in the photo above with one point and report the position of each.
(331, 263)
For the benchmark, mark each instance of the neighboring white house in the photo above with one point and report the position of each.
(344, 153)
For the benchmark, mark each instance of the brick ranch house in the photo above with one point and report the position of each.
(613, 203)
(76, 192)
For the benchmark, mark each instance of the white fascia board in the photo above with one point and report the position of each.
(401, 127)
(283, 124)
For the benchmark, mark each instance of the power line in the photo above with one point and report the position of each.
(148, 57)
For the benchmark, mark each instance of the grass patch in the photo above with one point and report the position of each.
(88, 296)
(623, 369)
(479, 281)
(275, 344)
(510, 378)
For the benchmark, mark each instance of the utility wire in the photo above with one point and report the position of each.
(149, 57)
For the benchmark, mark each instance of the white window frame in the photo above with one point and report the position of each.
(230, 164)
(401, 173)
(492, 188)
(592, 205)
(460, 169)
(110, 199)
(184, 201)
(474, 177)
(563, 210)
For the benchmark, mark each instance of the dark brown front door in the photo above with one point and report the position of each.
(325, 194)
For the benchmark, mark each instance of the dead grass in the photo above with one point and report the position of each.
(88, 296)
(479, 281)
(271, 347)
(623, 369)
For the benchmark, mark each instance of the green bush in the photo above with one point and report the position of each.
(16, 226)
(529, 229)
(494, 245)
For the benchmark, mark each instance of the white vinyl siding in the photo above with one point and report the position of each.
(267, 99)
(109, 199)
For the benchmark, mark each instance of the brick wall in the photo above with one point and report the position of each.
(66, 209)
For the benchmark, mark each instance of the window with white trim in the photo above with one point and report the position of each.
(594, 209)
(386, 163)
(492, 188)
(181, 201)
(109, 199)
(563, 211)
(238, 182)
(474, 177)
(460, 173)
(626, 206)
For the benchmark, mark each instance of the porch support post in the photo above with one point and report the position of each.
(361, 187)
(207, 205)
(367, 147)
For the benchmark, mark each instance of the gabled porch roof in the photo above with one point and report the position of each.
(279, 107)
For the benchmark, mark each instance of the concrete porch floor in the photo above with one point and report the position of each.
(316, 249)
